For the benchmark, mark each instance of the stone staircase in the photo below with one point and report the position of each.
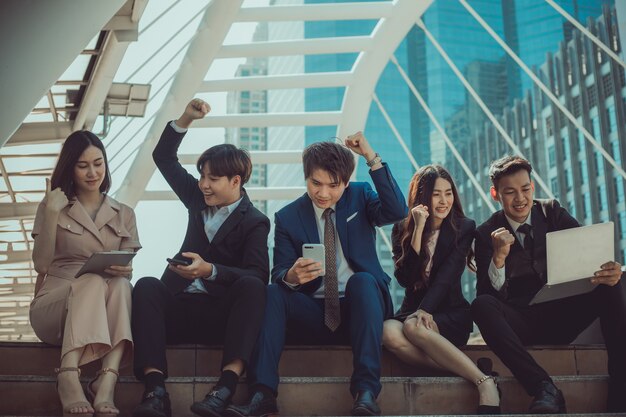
(314, 381)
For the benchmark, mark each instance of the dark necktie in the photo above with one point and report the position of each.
(528, 239)
(332, 313)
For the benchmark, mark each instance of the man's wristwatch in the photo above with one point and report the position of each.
(375, 160)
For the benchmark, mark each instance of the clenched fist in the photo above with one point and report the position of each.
(196, 109)
(501, 240)
(420, 214)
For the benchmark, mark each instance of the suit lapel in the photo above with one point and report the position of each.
(341, 222)
(231, 221)
(540, 227)
(446, 236)
(307, 218)
(79, 214)
(107, 212)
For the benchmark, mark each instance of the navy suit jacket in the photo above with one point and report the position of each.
(357, 212)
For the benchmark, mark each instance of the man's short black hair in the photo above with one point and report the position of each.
(507, 165)
(331, 157)
(226, 160)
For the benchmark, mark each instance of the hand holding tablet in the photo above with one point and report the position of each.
(101, 263)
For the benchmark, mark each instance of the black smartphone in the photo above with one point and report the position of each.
(181, 262)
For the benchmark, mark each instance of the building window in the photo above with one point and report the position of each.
(599, 160)
(616, 153)
(554, 185)
(584, 175)
(611, 116)
(587, 206)
(602, 200)
(568, 179)
(576, 106)
(581, 141)
(607, 85)
(592, 96)
(619, 189)
(566, 150)
(551, 156)
(245, 94)
(548, 126)
(595, 126)
(622, 225)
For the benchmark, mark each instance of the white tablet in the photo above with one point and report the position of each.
(100, 261)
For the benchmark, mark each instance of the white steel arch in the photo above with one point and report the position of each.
(395, 19)
(213, 29)
(368, 67)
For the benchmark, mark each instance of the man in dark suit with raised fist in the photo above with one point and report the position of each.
(219, 297)
(510, 252)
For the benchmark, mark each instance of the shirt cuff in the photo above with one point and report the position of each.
(289, 284)
(496, 276)
(177, 128)
(213, 275)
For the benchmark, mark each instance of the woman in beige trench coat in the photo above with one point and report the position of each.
(88, 316)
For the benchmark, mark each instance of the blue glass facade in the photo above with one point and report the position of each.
(391, 91)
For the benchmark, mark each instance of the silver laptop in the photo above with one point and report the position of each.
(573, 255)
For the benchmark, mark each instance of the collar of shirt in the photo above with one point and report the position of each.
(319, 212)
(211, 211)
(515, 225)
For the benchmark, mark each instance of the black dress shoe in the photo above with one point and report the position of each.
(260, 405)
(548, 400)
(154, 404)
(214, 403)
(365, 404)
(617, 397)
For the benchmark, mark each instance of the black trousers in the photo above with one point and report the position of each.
(160, 318)
(506, 329)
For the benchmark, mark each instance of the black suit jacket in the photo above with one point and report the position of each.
(239, 247)
(546, 216)
(444, 290)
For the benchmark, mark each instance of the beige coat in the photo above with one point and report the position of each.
(89, 311)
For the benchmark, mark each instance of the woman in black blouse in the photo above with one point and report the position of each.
(430, 249)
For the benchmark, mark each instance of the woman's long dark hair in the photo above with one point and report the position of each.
(421, 192)
(73, 148)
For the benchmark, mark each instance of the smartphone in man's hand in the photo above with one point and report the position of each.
(181, 262)
(316, 252)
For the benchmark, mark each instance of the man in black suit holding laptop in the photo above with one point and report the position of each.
(511, 261)
(219, 298)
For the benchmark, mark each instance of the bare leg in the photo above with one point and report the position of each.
(449, 357)
(104, 386)
(236, 366)
(396, 342)
(69, 385)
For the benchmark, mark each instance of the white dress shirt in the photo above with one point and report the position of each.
(213, 218)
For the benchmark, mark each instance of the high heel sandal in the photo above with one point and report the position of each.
(486, 367)
(91, 395)
(77, 404)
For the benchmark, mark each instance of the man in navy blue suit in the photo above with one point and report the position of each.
(350, 302)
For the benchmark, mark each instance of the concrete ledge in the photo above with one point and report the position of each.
(35, 395)
(315, 361)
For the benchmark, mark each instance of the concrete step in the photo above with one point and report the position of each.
(315, 361)
(475, 415)
(300, 396)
